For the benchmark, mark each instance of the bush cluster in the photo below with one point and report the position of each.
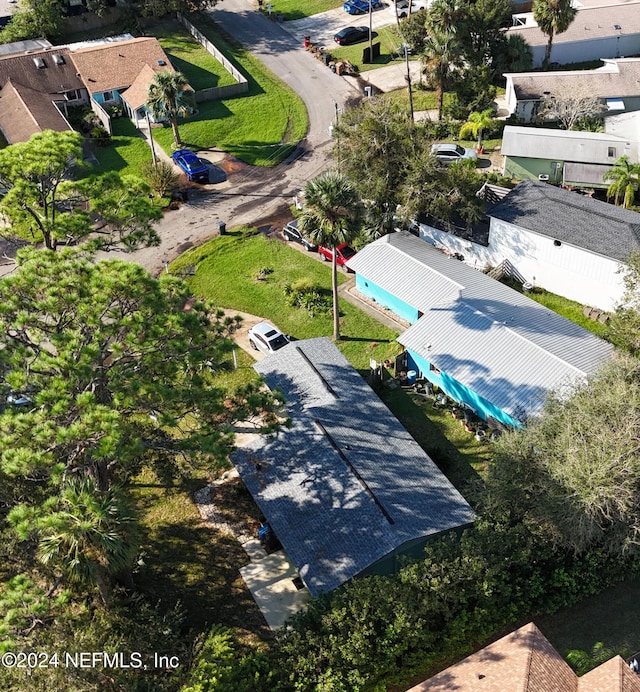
(309, 296)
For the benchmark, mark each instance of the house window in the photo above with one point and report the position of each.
(612, 152)
(108, 96)
(73, 95)
(433, 369)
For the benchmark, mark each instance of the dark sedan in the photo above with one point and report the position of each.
(291, 232)
(352, 34)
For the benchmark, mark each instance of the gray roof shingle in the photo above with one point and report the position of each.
(346, 485)
(578, 220)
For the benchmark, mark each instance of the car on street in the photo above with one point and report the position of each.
(450, 153)
(194, 168)
(343, 253)
(266, 338)
(401, 8)
(361, 6)
(352, 34)
(291, 232)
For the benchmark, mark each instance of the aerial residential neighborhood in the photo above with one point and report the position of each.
(319, 345)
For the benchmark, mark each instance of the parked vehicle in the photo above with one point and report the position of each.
(449, 152)
(343, 253)
(352, 34)
(266, 338)
(291, 232)
(195, 169)
(361, 6)
(402, 7)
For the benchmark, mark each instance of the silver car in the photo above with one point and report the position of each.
(449, 152)
(266, 338)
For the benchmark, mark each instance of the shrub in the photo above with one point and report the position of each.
(162, 177)
(100, 136)
(304, 294)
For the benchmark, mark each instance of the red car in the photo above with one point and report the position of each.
(343, 253)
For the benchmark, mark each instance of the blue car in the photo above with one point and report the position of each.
(196, 171)
(360, 6)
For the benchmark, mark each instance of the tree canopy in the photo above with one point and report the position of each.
(553, 17)
(45, 204)
(170, 97)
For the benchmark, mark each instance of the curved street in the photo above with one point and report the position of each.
(253, 193)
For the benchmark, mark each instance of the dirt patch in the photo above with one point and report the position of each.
(274, 222)
(235, 506)
(230, 164)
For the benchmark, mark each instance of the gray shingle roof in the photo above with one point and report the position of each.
(616, 78)
(496, 341)
(346, 485)
(574, 219)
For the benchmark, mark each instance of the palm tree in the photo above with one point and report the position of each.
(441, 54)
(91, 537)
(330, 217)
(623, 178)
(476, 124)
(553, 17)
(170, 96)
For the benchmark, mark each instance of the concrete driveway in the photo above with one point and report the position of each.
(324, 26)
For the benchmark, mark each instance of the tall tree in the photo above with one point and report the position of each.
(553, 17)
(45, 204)
(623, 181)
(476, 125)
(330, 217)
(575, 471)
(170, 96)
(114, 370)
(441, 56)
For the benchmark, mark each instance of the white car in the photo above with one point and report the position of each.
(449, 152)
(266, 338)
(401, 7)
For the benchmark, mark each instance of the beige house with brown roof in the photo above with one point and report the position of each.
(37, 87)
(525, 661)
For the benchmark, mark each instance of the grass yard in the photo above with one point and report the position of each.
(128, 153)
(423, 99)
(226, 273)
(189, 57)
(389, 39)
(299, 9)
(260, 127)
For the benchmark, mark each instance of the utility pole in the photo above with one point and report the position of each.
(408, 78)
(370, 30)
(151, 142)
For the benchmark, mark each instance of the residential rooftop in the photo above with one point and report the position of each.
(577, 220)
(345, 486)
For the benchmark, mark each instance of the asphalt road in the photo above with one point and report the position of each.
(255, 193)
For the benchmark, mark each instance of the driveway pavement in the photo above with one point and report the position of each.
(324, 26)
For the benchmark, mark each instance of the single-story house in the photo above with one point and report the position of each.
(570, 157)
(610, 31)
(485, 344)
(617, 83)
(37, 87)
(346, 489)
(111, 70)
(556, 239)
(525, 661)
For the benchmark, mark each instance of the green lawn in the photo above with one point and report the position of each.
(389, 39)
(260, 127)
(128, 152)
(299, 9)
(226, 273)
(423, 99)
(198, 65)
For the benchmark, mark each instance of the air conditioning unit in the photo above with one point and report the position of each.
(543, 178)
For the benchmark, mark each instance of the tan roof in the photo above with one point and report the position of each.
(617, 78)
(117, 65)
(525, 661)
(612, 675)
(136, 95)
(590, 22)
(24, 111)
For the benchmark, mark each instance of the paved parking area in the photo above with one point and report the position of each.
(324, 26)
